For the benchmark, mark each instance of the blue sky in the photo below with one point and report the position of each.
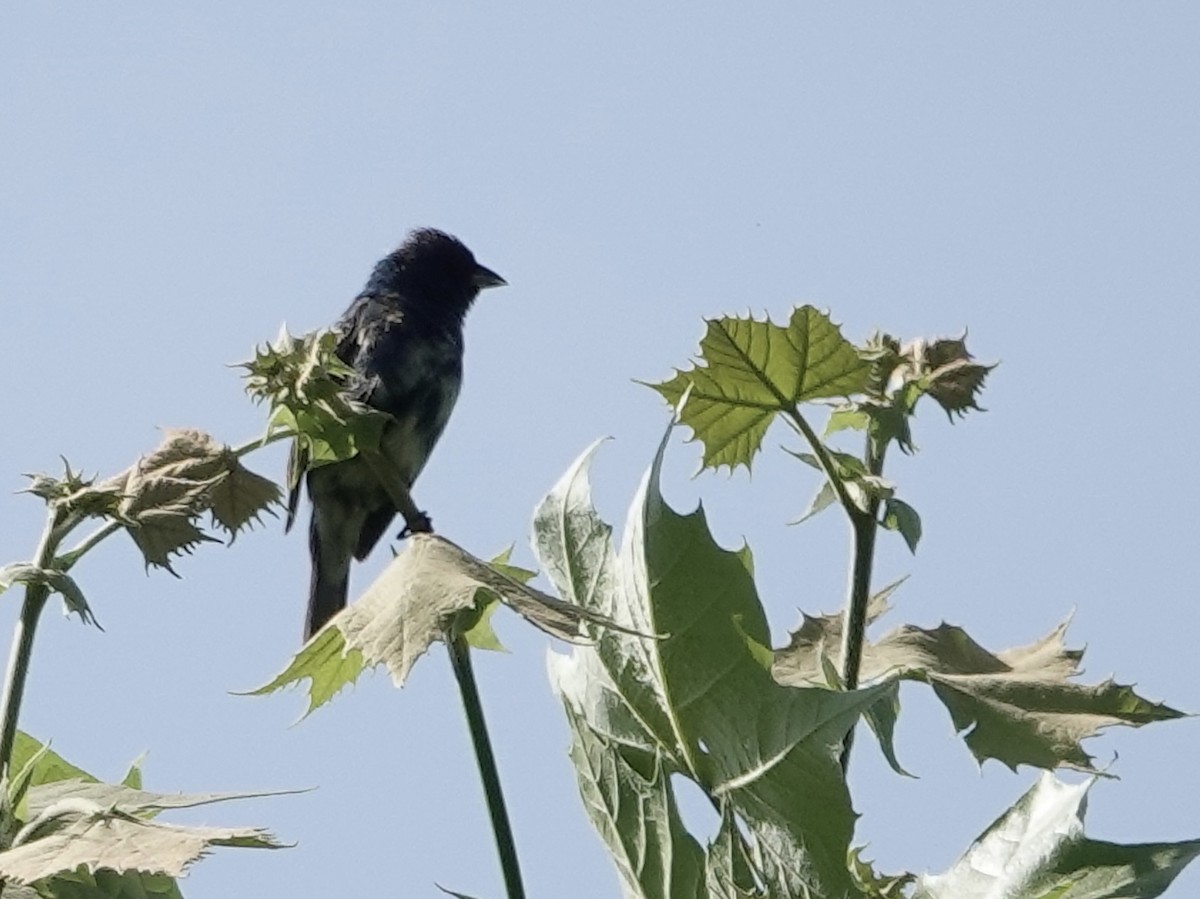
(177, 181)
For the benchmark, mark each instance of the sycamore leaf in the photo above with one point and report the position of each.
(820, 636)
(843, 418)
(752, 370)
(769, 753)
(163, 534)
(1037, 850)
(190, 473)
(75, 494)
(883, 352)
(103, 884)
(811, 655)
(314, 395)
(825, 497)
(629, 800)
(728, 871)
(78, 833)
(1018, 706)
(40, 764)
(45, 780)
(133, 776)
(954, 380)
(54, 581)
(900, 516)
(424, 591)
(134, 801)
(453, 893)
(239, 499)
(851, 472)
(877, 886)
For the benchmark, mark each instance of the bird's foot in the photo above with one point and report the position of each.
(420, 525)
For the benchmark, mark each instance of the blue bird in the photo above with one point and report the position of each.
(403, 336)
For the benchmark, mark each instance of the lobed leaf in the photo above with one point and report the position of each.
(1037, 849)
(702, 702)
(752, 370)
(76, 833)
(1018, 706)
(432, 586)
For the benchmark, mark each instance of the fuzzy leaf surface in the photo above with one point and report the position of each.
(702, 700)
(1037, 850)
(80, 834)
(1018, 706)
(431, 585)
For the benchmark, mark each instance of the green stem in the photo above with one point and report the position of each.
(22, 645)
(68, 559)
(797, 421)
(854, 627)
(460, 659)
(259, 442)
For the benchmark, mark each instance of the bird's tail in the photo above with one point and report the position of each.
(327, 590)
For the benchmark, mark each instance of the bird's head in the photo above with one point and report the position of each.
(433, 267)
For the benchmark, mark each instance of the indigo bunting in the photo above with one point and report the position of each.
(403, 337)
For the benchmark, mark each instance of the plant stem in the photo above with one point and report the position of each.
(22, 645)
(69, 558)
(797, 421)
(854, 626)
(460, 659)
(259, 442)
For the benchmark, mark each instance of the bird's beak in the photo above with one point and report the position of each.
(485, 278)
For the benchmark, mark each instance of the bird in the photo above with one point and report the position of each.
(403, 338)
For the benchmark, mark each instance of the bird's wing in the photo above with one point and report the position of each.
(297, 465)
(359, 328)
(365, 328)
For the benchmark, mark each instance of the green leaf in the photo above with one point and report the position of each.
(751, 370)
(953, 379)
(419, 596)
(134, 801)
(860, 485)
(1037, 850)
(239, 499)
(629, 800)
(477, 630)
(452, 893)
(326, 662)
(133, 777)
(80, 834)
(808, 660)
(190, 473)
(45, 765)
(824, 498)
(308, 389)
(701, 700)
(103, 884)
(1019, 706)
(729, 872)
(74, 494)
(54, 581)
(844, 418)
(475, 624)
(900, 516)
(877, 886)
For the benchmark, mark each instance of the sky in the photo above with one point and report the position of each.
(178, 180)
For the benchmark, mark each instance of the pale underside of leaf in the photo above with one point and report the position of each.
(91, 837)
